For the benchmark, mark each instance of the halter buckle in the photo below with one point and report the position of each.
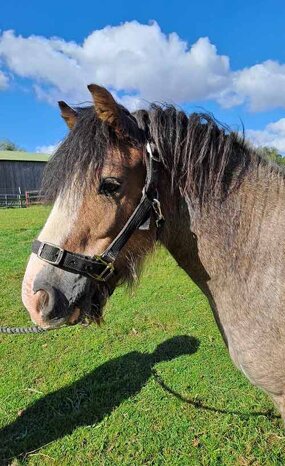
(59, 254)
(107, 272)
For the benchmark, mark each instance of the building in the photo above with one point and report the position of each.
(21, 171)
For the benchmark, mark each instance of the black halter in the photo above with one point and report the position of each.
(102, 267)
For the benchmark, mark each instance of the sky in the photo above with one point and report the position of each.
(225, 57)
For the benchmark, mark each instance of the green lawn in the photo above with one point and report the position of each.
(153, 386)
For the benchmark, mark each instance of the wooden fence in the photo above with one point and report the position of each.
(12, 200)
(33, 198)
(20, 200)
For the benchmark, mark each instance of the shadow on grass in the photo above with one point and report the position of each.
(86, 401)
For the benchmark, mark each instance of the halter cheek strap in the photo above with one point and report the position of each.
(102, 267)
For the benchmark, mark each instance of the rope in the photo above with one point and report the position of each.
(21, 330)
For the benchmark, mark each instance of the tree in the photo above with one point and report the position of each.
(5, 144)
(272, 154)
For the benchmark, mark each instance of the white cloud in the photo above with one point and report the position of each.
(143, 64)
(262, 85)
(47, 149)
(3, 81)
(273, 135)
(134, 58)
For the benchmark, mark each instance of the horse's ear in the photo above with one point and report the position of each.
(107, 109)
(68, 114)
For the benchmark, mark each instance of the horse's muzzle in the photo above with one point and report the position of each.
(54, 297)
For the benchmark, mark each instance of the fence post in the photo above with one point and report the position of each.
(32, 198)
(20, 197)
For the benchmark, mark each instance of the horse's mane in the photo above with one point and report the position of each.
(202, 156)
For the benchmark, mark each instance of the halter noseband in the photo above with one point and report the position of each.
(102, 267)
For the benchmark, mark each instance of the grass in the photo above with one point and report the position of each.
(153, 386)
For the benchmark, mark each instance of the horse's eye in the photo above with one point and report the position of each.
(109, 186)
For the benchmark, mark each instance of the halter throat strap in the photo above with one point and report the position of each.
(102, 267)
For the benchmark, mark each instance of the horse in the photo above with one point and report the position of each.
(123, 182)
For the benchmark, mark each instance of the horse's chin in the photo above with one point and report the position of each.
(90, 309)
(75, 316)
(86, 317)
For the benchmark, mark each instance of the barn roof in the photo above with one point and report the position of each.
(23, 156)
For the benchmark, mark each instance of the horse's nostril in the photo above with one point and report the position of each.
(52, 303)
(43, 299)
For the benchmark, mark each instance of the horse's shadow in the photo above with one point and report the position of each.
(88, 400)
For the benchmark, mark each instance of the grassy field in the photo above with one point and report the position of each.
(153, 386)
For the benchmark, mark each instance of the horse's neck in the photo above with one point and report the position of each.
(227, 243)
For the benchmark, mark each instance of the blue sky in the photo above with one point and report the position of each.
(225, 57)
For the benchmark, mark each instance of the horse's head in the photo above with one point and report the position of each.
(95, 179)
